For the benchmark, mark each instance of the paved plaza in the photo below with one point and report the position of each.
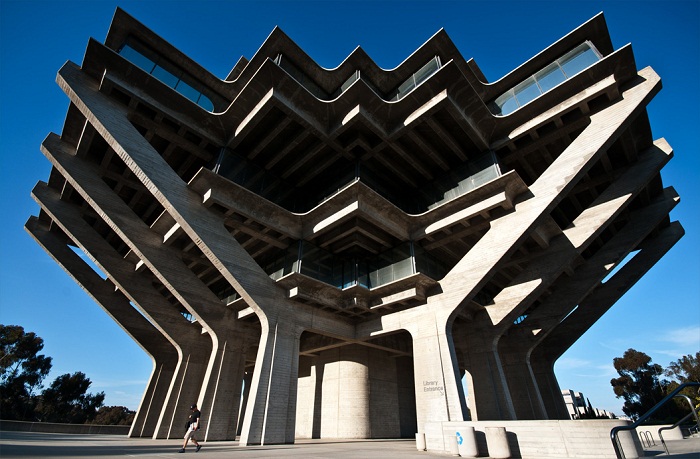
(44, 445)
(50, 445)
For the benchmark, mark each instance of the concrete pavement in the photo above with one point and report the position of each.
(50, 445)
(45, 445)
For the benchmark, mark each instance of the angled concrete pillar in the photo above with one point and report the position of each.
(539, 275)
(437, 378)
(224, 389)
(162, 352)
(247, 379)
(516, 346)
(271, 411)
(164, 263)
(505, 235)
(192, 347)
(202, 225)
(651, 250)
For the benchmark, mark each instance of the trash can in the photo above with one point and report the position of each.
(497, 442)
(466, 441)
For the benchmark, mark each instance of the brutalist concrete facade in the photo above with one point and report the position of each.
(332, 250)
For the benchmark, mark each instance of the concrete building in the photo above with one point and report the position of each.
(577, 406)
(333, 250)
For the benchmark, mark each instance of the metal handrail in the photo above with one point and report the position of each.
(692, 413)
(613, 433)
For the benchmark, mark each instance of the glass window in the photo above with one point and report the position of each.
(405, 87)
(549, 77)
(582, 58)
(507, 103)
(425, 71)
(165, 76)
(136, 58)
(353, 78)
(527, 91)
(169, 77)
(205, 103)
(573, 62)
(187, 91)
(417, 78)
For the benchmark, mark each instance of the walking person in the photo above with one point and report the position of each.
(192, 428)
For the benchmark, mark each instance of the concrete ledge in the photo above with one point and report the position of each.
(543, 438)
(50, 427)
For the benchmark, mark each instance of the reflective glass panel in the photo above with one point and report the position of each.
(205, 103)
(165, 76)
(507, 103)
(527, 91)
(549, 77)
(136, 58)
(187, 91)
(425, 71)
(582, 58)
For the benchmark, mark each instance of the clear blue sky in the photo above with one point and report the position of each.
(659, 316)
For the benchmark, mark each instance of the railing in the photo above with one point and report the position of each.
(692, 413)
(613, 433)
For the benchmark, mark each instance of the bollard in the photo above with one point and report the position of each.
(497, 442)
(420, 441)
(466, 440)
(454, 447)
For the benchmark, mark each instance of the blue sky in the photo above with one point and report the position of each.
(659, 316)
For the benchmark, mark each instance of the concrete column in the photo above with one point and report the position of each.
(223, 395)
(164, 355)
(438, 386)
(203, 226)
(524, 391)
(271, 411)
(603, 297)
(247, 379)
(351, 381)
(550, 392)
(489, 394)
(191, 346)
(515, 348)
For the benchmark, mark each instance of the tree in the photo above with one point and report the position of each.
(66, 400)
(114, 416)
(22, 370)
(640, 385)
(686, 369)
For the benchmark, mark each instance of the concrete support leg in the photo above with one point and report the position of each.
(184, 391)
(271, 410)
(605, 295)
(524, 391)
(148, 413)
(222, 396)
(247, 380)
(189, 344)
(438, 386)
(489, 396)
(554, 405)
(162, 352)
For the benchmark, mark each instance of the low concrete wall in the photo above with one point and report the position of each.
(50, 427)
(543, 439)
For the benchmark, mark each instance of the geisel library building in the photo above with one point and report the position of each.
(315, 253)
